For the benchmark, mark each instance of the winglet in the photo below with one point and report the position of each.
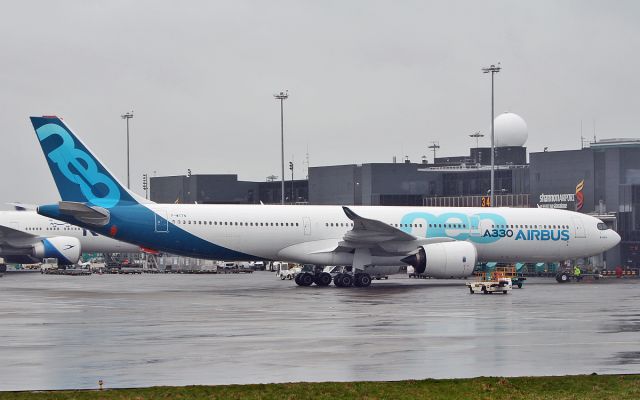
(372, 230)
(350, 214)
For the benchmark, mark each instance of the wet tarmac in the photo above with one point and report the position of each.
(69, 332)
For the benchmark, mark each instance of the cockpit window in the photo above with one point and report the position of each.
(602, 226)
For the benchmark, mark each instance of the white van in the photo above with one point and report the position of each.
(48, 264)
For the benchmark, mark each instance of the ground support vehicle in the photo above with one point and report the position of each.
(411, 273)
(285, 270)
(287, 273)
(130, 270)
(518, 281)
(69, 271)
(48, 264)
(498, 281)
(567, 275)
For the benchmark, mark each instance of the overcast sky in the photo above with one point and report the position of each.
(368, 80)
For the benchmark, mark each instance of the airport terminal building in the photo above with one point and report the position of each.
(603, 180)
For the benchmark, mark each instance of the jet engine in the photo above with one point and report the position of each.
(444, 260)
(66, 249)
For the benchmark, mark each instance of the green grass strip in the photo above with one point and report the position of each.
(580, 387)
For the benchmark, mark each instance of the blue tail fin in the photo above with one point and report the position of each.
(78, 174)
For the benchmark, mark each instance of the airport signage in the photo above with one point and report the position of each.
(564, 201)
(557, 200)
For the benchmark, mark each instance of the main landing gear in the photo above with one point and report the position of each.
(340, 280)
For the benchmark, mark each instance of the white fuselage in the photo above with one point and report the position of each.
(310, 233)
(35, 226)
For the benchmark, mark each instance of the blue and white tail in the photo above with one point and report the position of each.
(79, 175)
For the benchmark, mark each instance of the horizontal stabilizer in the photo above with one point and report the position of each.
(92, 215)
(23, 206)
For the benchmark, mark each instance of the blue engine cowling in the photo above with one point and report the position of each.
(66, 249)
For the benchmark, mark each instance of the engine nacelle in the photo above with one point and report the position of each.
(444, 260)
(66, 249)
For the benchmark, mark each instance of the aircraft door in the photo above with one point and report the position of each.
(306, 223)
(162, 224)
(578, 227)
(474, 226)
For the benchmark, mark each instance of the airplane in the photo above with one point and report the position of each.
(26, 237)
(373, 240)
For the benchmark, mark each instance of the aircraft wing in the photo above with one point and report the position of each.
(367, 230)
(381, 238)
(14, 238)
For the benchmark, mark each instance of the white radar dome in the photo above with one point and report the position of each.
(510, 130)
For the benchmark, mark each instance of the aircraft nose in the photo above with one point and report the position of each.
(615, 238)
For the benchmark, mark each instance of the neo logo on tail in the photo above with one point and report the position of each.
(79, 167)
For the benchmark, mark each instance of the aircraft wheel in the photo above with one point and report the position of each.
(362, 280)
(323, 279)
(337, 280)
(563, 277)
(347, 280)
(306, 279)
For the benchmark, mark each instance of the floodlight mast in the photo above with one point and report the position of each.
(477, 136)
(282, 96)
(493, 69)
(434, 146)
(127, 117)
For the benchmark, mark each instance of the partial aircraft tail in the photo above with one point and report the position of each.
(79, 175)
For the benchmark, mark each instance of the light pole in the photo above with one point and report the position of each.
(282, 96)
(493, 70)
(477, 136)
(434, 146)
(291, 168)
(127, 117)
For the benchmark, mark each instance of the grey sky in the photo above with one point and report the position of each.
(368, 80)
